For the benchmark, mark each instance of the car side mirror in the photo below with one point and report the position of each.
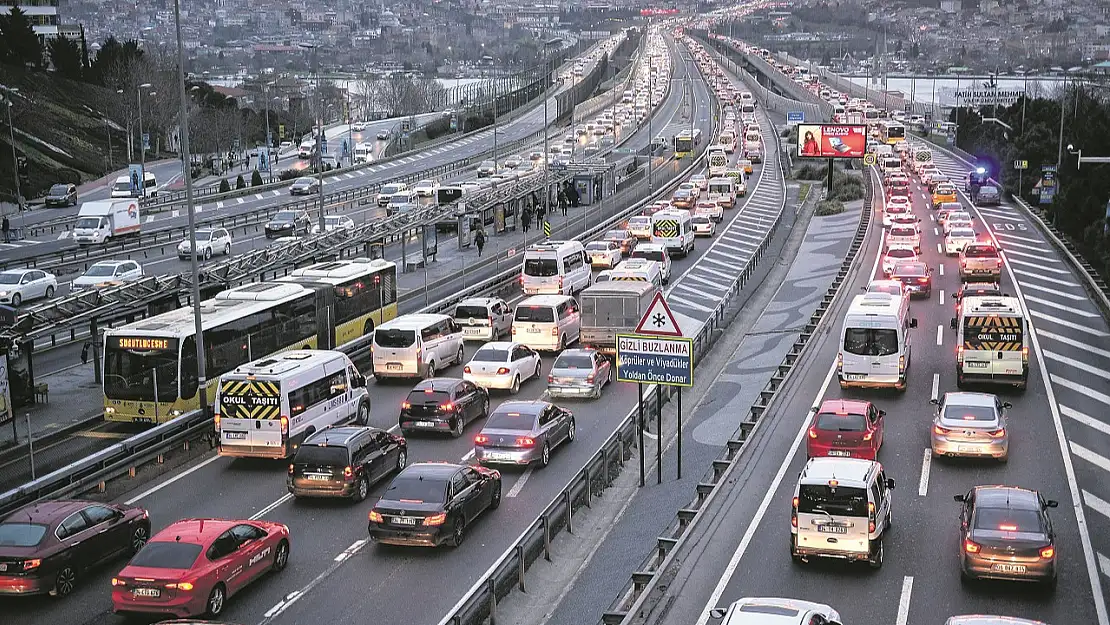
(952, 323)
(718, 613)
(913, 322)
(359, 381)
(959, 498)
(1052, 503)
(890, 483)
(882, 413)
(813, 410)
(955, 296)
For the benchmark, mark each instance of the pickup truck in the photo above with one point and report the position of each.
(980, 261)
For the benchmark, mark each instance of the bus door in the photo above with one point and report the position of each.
(250, 421)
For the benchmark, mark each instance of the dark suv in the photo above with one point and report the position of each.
(288, 223)
(62, 195)
(345, 461)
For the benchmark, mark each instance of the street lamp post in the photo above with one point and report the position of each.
(319, 130)
(142, 144)
(15, 160)
(350, 130)
(198, 328)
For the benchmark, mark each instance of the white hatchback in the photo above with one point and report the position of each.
(604, 253)
(502, 365)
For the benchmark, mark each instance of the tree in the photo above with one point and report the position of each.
(112, 67)
(256, 179)
(224, 185)
(240, 183)
(23, 45)
(65, 56)
(84, 49)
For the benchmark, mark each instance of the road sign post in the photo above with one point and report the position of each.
(794, 118)
(657, 353)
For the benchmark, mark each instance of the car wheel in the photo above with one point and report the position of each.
(281, 556)
(49, 292)
(457, 426)
(17, 299)
(515, 388)
(402, 460)
(65, 581)
(362, 489)
(496, 501)
(216, 600)
(538, 371)
(208, 253)
(875, 561)
(362, 417)
(458, 533)
(227, 249)
(572, 431)
(562, 343)
(545, 455)
(139, 536)
(431, 371)
(459, 356)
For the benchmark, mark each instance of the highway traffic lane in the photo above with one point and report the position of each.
(922, 524)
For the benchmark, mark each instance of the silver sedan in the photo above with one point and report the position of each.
(523, 432)
(579, 373)
(970, 425)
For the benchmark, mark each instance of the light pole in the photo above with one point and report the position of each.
(142, 143)
(319, 130)
(651, 135)
(350, 130)
(15, 159)
(266, 96)
(198, 328)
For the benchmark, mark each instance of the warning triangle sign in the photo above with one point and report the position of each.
(658, 320)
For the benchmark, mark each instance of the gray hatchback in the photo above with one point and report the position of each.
(579, 373)
(523, 432)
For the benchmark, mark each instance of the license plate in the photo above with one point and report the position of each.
(1008, 568)
(404, 520)
(425, 424)
(235, 435)
(840, 453)
(142, 420)
(832, 529)
(393, 367)
(973, 364)
(146, 592)
(472, 331)
(498, 455)
(533, 330)
(854, 376)
(967, 449)
(3, 567)
(319, 477)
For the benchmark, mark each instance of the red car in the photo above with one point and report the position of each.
(846, 428)
(193, 566)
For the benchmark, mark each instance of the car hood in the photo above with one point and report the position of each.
(92, 280)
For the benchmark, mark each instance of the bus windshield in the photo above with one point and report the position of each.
(871, 341)
(130, 375)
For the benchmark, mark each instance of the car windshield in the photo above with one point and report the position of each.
(597, 246)
(969, 414)
(10, 278)
(910, 270)
(1007, 520)
(99, 271)
(285, 216)
(59, 189)
(332, 221)
(491, 354)
(331, 456)
(656, 255)
(840, 500)
(21, 534)
(841, 422)
(701, 220)
(463, 311)
(980, 251)
(417, 489)
(901, 253)
(394, 338)
(504, 420)
(88, 223)
(574, 361)
(541, 267)
(124, 185)
(535, 314)
(167, 555)
(871, 341)
(390, 189)
(893, 289)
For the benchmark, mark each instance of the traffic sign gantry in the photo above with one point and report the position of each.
(657, 353)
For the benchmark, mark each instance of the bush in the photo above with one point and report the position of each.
(256, 179)
(846, 187)
(240, 183)
(812, 172)
(224, 185)
(438, 128)
(829, 207)
(289, 174)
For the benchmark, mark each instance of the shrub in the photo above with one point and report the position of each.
(224, 185)
(240, 183)
(256, 179)
(829, 207)
(289, 174)
(812, 172)
(847, 187)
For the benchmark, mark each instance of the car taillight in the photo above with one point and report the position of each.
(406, 405)
(30, 565)
(901, 364)
(466, 369)
(419, 355)
(550, 379)
(481, 439)
(840, 361)
(971, 547)
(591, 377)
(514, 330)
(436, 519)
(813, 433)
(502, 371)
(960, 354)
(182, 586)
(867, 435)
(794, 513)
(999, 433)
(525, 441)
(555, 331)
(923, 280)
(870, 516)
(217, 421)
(1048, 552)
(1025, 355)
(284, 424)
(119, 583)
(348, 473)
(447, 407)
(943, 431)
(290, 469)
(375, 516)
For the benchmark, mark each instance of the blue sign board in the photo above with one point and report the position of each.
(135, 175)
(655, 360)
(264, 160)
(795, 117)
(323, 147)
(1048, 183)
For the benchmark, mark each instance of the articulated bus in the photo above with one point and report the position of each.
(685, 143)
(150, 366)
(892, 132)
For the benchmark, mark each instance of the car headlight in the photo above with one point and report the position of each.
(3, 293)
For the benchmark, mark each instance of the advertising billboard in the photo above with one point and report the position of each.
(832, 140)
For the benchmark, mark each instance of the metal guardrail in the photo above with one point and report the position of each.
(641, 601)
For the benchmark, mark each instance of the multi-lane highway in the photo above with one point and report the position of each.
(1058, 435)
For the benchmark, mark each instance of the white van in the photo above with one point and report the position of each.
(265, 408)
(841, 509)
(388, 190)
(364, 153)
(992, 344)
(673, 230)
(555, 267)
(547, 322)
(416, 346)
(634, 270)
(875, 342)
(122, 187)
(402, 201)
(657, 253)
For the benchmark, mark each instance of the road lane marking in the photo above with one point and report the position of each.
(904, 601)
(468, 456)
(239, 200)
(1097, 504)
(1064, 307)
(270, 508)
(1104, 564)
(935, 394)
(1080, 388)
(940, 300)
(926, 465)
(940, 335)
(1039, 267)
(285, 602)
(1030, 274)
(352, 550)
(1082, 366)
(940, 268)
(1096, 459)
(520, 482)
(150, 491)
(940, 250)
(1067, 324)
(1086, 420)
(1055, 292)
(1074, 343)
(936, 232)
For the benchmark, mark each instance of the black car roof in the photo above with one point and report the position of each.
(1007, 497)
(334, 437)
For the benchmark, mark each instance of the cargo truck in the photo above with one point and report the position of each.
(102, 220)
(612, 308)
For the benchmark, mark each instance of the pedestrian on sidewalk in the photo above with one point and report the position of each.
(526, 219)
(480, 241)
(563, 203)
(6, 227)
(541, 211)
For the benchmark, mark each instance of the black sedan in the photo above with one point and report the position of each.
(443, 405)
(431, 504)
(62, 195)
(917, 277)
(1005, 533)
(288, 223)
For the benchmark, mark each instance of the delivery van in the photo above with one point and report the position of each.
(99, 221)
